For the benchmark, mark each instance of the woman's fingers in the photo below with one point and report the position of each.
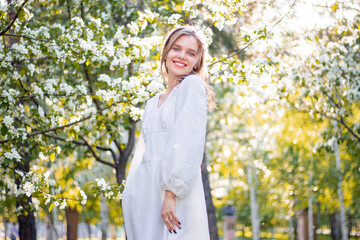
(172, 222)
(170, 225)
(175, 221)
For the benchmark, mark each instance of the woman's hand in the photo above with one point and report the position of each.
(168, 212)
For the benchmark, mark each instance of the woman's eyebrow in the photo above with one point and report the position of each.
(190, 49)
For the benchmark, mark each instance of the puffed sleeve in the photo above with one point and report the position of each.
(185, 147)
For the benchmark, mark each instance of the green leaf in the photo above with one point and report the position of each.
(4, 130)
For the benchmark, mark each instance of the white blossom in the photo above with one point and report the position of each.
(194, 12)
(208, 35)
(174, 18)
(38, 90)
(20, 48)
(63, 204)
(8, 121)
(13, 154)
(102, 184)
(28, 188)
(97, 21)
(42, 156)
(105, 78)
(3, 5)
(124, 61)
(136, 113)
(83, 197)
(109, 194)
(108, 47)
(67, 88)
(188, 4)
(155, 86)
(44, 31)
(78, 21)
(49, 86)
(51, 182)
(133, 27)
(10, 94)
(35, 203)
(41, 112)
(58, 149)
(106, 95)
(31, 68)
(87, 45)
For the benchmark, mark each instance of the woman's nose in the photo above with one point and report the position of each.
(182, 54)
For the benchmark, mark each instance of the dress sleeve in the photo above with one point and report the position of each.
(184, 152)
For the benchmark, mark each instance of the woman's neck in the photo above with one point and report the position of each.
(172, 82)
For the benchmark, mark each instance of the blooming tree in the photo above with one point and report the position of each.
(75, 77)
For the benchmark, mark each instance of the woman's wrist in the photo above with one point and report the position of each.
(169, 194)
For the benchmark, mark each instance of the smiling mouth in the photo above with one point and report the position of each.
(179, 64)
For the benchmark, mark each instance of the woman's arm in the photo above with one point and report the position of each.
(184, 151)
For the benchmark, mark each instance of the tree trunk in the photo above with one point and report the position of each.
(27, 230)
(255, 222)
(310, 209)
(340, 191)
(72, 216)
(291, 229)
(335, 226)
(51, 225)
(209, 203)
(295, 222)
(104, 213)
(5, 222)
(113, 231)
(89, 229)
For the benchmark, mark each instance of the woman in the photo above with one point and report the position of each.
(163, 197)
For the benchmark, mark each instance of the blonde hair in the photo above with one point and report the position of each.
(201, 68)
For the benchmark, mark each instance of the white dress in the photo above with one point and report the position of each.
(168, 157)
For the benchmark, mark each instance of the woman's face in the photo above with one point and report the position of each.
(181, 58)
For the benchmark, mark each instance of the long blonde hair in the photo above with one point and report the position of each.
(201, 69)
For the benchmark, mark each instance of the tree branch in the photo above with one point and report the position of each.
(83, 144)
(68, 8)
(328, 96)
(62, 127)
(345, 7)
(95, 155)
(30, 60)
(257, 38)
(340, 120)
(13, 21)
(23, 36)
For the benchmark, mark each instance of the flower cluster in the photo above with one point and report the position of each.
(112, 191)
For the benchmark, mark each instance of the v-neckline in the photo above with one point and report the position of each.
(158, 98)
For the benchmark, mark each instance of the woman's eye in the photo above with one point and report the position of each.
(176, 49)
(191, 54)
